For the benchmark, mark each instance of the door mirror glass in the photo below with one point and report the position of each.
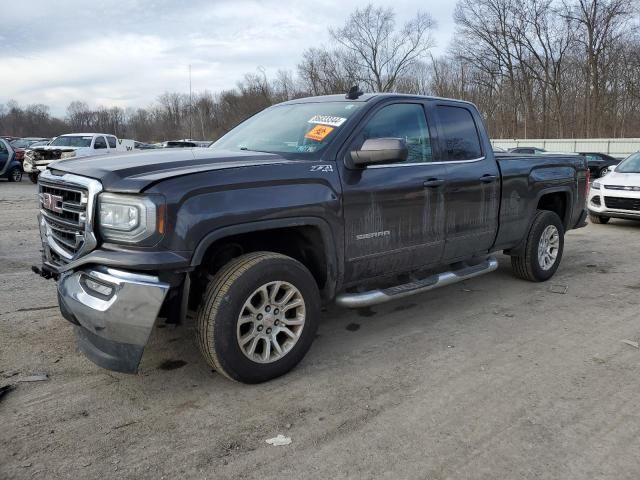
(379, 151)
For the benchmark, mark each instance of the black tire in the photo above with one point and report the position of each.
(603, 172)
(225, 296)
(598, 219)
(33, 177)
(15, 174)
(527, 266)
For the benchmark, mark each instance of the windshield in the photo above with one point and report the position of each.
(72, 141)
(630, 165)
(295, 128)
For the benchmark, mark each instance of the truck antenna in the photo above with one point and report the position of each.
(190, 106)
(354, 93)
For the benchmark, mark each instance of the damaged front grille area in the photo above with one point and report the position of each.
(67, 205)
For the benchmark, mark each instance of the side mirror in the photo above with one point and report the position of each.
(612, 168)
(380, 150)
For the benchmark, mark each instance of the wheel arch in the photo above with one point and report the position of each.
(558, 200)
(311, 241)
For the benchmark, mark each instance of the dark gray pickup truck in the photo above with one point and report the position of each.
(360, 199)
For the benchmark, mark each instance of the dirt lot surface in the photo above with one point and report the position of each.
(495, 378)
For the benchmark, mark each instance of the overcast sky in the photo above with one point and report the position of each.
(127, 52)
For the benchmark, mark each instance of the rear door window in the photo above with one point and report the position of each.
(112, 142)
(459, 132)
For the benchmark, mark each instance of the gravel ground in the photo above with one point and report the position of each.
(494, 378)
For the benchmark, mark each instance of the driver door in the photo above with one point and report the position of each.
(394, 213)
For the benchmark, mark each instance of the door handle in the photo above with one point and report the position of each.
(434, 183)
(488, 178)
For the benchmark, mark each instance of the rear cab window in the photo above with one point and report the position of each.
(459, 133)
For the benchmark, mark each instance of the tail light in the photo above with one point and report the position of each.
(588, 186)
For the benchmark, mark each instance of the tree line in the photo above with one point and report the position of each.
(535, 68)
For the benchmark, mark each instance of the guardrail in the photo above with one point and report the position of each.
(617, 147)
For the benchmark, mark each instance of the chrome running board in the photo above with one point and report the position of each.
(374, 297)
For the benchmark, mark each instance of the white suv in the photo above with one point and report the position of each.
(617, 194)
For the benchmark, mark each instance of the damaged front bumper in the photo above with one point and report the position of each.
(113, 312)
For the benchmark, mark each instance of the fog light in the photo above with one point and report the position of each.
(97, 287)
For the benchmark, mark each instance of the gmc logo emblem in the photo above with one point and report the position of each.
(52, 202)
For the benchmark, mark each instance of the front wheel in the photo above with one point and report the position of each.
(598, 219)
(603, 172)
(33, 176)
(543, 248)
(258, 317)
(15, 175)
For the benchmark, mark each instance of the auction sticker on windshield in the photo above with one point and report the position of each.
(328, 120)
(318, 133)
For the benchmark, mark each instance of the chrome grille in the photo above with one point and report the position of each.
(66, 211)
(67, 221)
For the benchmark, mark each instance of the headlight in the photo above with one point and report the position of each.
(64, 155)
(131, 218)
(596, 185)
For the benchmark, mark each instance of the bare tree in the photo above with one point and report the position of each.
(600, 24)
(381, 53)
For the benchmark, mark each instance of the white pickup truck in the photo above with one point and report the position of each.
(72, 145)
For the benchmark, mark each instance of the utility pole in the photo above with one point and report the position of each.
(190, 106)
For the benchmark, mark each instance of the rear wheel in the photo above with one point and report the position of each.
(598, 219)
(543, 248)
(603, 171)
(33, 176)
(258, 317)
(15, 174)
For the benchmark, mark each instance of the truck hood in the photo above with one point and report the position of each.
(133, 172)
(48, 148)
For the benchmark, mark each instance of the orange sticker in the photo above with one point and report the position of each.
(318, 133)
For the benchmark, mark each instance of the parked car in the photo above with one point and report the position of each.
(617, 194)
(72, 145)
(527, 150)
(144, 146)
(27, 142)
(314, 200)
(19, 154)
(599, 163)
(41, 143)
(178, 144)
(10, 168)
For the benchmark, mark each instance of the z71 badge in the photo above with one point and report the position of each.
(321, 168)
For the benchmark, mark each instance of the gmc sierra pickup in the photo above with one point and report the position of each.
(360, 200)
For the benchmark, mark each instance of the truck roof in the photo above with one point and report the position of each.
(365, 97)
